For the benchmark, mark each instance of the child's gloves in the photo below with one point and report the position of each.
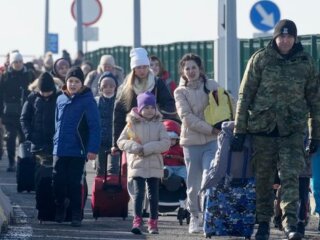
(237, 142)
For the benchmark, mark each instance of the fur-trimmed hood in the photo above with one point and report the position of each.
(134, 116)
(34, 85)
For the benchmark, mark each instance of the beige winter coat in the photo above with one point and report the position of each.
(191, 100)
(152, 137)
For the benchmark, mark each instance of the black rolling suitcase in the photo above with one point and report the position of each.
(44, 195)
(25, 168)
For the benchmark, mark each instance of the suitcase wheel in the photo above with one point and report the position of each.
(181, 215)
(208, 235)
(247, 238)
(187, 216)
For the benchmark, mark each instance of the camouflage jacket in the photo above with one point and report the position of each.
(279, 92)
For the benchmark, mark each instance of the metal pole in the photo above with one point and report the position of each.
(136, 24)
(231, 48)
(219, 46)
(46, 27)
(79, 25)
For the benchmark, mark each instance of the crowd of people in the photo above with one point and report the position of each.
(71, 113)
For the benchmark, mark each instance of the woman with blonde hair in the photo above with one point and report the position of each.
(139, 80)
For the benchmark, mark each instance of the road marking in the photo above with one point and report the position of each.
(22, 230)
(68, 237)
(8, 184)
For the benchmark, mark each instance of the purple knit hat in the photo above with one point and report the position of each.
(146, 99)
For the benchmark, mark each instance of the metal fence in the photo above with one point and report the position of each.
(170, 54)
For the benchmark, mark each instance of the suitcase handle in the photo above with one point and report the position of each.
(245, 164)
(107, 153)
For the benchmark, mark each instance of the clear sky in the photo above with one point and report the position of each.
(162, 21)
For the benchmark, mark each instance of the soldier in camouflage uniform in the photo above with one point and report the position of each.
(278, 92)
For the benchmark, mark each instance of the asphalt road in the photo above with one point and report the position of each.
(26, 226)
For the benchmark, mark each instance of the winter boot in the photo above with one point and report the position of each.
(263, 232)
(136, 225)
(301, 228)
(291, 233)
(153, 226)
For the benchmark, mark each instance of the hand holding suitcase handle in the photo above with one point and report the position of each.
(109, 152)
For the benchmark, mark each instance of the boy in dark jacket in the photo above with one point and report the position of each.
(37, 118)
(77, 138)
(13, 92)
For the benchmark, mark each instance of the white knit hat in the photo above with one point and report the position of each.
(15, 56)
(107, 59)
(139, 57)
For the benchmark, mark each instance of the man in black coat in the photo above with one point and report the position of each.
(13, 91)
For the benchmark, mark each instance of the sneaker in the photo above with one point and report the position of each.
(61, 211)
(153, 226)
(263, 232)
(301, 228)
(136, 225)
(194, 225)
(291, 233)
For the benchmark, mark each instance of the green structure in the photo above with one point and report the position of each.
(170, 54)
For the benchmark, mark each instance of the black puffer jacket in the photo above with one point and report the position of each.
(38, 121)
(106, 106)
(13, 93)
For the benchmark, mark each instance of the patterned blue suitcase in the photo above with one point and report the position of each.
(230, 206)
(230, 189)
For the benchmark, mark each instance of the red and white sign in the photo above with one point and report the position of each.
(91, 11)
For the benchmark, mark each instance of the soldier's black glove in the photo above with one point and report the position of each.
(313, 146)
(237, 142)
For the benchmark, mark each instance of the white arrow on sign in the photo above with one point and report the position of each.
(267, 18)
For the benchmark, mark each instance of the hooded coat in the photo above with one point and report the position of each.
(152, 136)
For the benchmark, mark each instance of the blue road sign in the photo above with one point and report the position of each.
(53, 43)
(264, 15)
